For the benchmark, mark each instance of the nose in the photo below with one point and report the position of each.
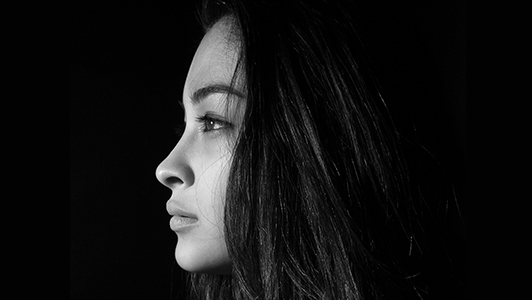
(175, 170)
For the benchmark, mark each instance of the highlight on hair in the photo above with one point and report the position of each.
(317, 203)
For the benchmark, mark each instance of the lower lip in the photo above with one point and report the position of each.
(178, 223)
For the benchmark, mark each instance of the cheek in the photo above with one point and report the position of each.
(211, 187)
(203, 249)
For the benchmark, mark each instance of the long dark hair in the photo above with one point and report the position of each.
(318, 203)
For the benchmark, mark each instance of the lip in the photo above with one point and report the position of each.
(178, 223)
(174, 209)
(181, 219)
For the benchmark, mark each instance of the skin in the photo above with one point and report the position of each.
(196, 170)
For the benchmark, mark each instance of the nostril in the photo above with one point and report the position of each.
(172, 180)
(174, 173)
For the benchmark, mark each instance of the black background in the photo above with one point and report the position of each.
(127, 68)
(128, 63)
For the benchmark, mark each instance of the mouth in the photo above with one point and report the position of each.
(180, 223)
(181, 219)
(174, 210)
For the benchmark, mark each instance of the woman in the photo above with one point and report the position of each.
(288, 181)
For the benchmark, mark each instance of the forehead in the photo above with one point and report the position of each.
(215, 59)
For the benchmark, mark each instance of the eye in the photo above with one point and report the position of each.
(210, 123)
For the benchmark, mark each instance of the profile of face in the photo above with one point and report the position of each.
(196, 170)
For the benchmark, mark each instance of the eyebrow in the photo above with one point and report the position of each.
(204, 92)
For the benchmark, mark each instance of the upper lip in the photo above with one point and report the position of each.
(174, 209)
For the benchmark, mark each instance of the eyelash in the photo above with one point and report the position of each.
(180, 130)
(207, 121)
(203, 120)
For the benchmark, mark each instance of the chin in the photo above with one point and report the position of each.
(202, 259)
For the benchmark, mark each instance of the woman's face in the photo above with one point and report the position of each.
(197, 168)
